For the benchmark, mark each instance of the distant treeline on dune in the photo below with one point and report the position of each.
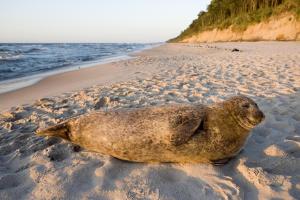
(238, 14)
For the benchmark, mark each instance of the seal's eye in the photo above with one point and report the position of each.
(245, 105)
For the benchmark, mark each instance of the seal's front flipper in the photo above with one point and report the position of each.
(61, 130)
(184, 125)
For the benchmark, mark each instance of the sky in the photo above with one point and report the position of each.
(96, 20)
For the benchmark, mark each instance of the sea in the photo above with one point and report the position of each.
(22, 65)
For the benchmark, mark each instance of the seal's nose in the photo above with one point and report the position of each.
(260, 115)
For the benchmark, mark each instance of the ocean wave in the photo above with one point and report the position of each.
(10, 69)
(10, 57)
(20, 60)
(21, 51)
(87, 58)
(4, 50)
(35, 49)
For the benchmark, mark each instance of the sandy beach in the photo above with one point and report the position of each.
(33, 167)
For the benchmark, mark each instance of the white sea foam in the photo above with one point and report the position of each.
(5, 56)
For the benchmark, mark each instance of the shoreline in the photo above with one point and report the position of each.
(19, 83)
(69, 79)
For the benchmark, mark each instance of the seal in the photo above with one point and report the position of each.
(170, 133)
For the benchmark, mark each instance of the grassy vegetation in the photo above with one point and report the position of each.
(238, 13)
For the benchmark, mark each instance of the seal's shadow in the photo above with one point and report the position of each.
(153, 180)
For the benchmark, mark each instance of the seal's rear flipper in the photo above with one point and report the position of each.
(61, 130)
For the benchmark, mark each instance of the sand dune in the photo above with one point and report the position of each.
(33, 167)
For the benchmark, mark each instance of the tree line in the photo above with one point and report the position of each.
(223, 13)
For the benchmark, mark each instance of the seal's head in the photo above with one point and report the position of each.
(245, 111)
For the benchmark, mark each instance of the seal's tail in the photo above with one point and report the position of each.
(61, 130)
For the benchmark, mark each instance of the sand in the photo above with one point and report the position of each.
(33, 167)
